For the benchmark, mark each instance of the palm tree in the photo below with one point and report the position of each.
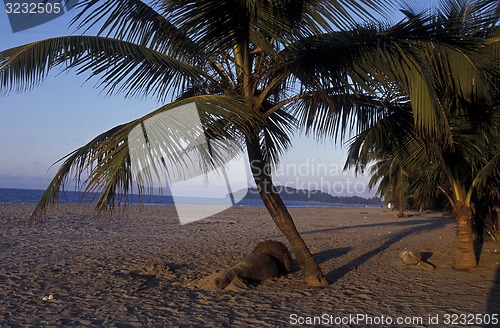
(394, 183)
(459, 162)
(257, 70)
(459, 170)
(388, 172)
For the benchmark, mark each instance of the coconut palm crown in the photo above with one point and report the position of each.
(258, 70)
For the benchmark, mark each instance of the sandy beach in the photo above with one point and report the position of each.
(140, 268)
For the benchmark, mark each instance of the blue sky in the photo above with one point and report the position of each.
(42, 125)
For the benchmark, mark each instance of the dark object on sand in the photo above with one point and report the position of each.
(414, 257)
(411, 257)
(268, 259)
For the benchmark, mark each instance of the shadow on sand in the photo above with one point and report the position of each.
(414, 226)
(434, 223)
(493, 306)
(333, 253)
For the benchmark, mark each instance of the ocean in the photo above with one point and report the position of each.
(11, 195)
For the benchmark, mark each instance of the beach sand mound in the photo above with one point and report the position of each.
(268, 259)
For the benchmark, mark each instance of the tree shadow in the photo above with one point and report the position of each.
(324, 256)
(494, 297)
(426, 256)
(333, 253)
(414, 226)
(437, 221)
(478, 248)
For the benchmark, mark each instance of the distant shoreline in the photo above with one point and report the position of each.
(306, 195)
(20, 196)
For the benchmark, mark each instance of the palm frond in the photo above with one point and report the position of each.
(217, 26)
(397, 61)
(161, 143)
(276, 136)
(334, 113)
(393, 136)
(140, 23)
(120, 66)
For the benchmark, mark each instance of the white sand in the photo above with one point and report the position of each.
(77, 269)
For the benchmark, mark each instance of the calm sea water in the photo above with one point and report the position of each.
(8, 195)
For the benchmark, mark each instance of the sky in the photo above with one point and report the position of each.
(41, 126)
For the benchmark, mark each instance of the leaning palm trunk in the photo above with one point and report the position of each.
(311, 271)
(465, 256)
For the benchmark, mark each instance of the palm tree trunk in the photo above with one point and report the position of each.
(465, 256)
(399, 202)
(497, 222)
(311, 271)
(401, 207)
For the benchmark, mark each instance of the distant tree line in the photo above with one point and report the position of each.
(306, 195)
